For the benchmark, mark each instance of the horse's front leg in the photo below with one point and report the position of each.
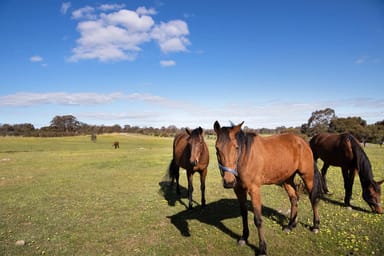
(242, 197)
(349, 177)
(203, 175)
(257, 207)
(190, 188)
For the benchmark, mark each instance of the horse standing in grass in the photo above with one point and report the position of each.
(248, 161)
(344, 150)
(191, 153)
(116, 144)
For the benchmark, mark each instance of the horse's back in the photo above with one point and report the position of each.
(282, 155)
(287, 144)
(334, 149)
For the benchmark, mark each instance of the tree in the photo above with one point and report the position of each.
(66, 123)
(355, 125)
(319, 121)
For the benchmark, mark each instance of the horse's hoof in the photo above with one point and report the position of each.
(241, 242)
(287, 230)
(349, 208)
(315, 230)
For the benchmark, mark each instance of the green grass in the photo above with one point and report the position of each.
(69, 196)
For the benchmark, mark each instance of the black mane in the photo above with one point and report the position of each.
(363, 164)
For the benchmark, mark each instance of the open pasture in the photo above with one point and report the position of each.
(70, 196)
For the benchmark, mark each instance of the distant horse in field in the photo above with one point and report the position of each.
(93, 137)
(344, 150)
(116, 144)
(191, 153)
(248, 161)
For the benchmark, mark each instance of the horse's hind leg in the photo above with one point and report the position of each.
(324, 170)
(294, 198)
(315, 189)
(203, 175)
(174, 171)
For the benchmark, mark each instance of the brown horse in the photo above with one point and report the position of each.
(344, 150)
(191, 153)
(248, 161)
(116, 144)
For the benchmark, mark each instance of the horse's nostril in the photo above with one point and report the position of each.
(194, 163)
(231, 184)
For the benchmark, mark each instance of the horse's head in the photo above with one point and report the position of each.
(196, 144)
(228, 153)
(372, 195)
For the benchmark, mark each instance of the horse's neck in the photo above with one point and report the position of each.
(248, 148)
(365, 174)
(204, 151)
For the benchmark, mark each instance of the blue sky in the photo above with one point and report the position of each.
(189, 63)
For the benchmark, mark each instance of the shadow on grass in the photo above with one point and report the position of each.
(338, 203)
(216, 212)
(169, 193)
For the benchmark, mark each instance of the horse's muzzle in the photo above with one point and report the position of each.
(194, 162)
(228, 185)
(377, 208)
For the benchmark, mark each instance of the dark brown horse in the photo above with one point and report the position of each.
(191, 153)
(248, 161)
(344, 150)
(116, 144)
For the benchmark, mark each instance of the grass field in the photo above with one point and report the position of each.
(69, 196)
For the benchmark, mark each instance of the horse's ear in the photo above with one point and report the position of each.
(200, 130)
(217, 127)
(188, 131)
(238, 127)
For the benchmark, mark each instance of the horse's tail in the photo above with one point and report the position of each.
(312, 144)
(173, 170)
(318, 189)
(362, 162)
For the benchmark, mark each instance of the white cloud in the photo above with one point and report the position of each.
(64, 7)
(61, 98)
(144, 11)
(129, 20)
(154, 110)
(367, 59)
(119, 35)
(361, 60)
(109, 7)
(36, 58)
(167, 63)
(117, 116)
(172, 36)
(22, 99)
(86, 12)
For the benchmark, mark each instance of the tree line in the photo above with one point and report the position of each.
(324, 120)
